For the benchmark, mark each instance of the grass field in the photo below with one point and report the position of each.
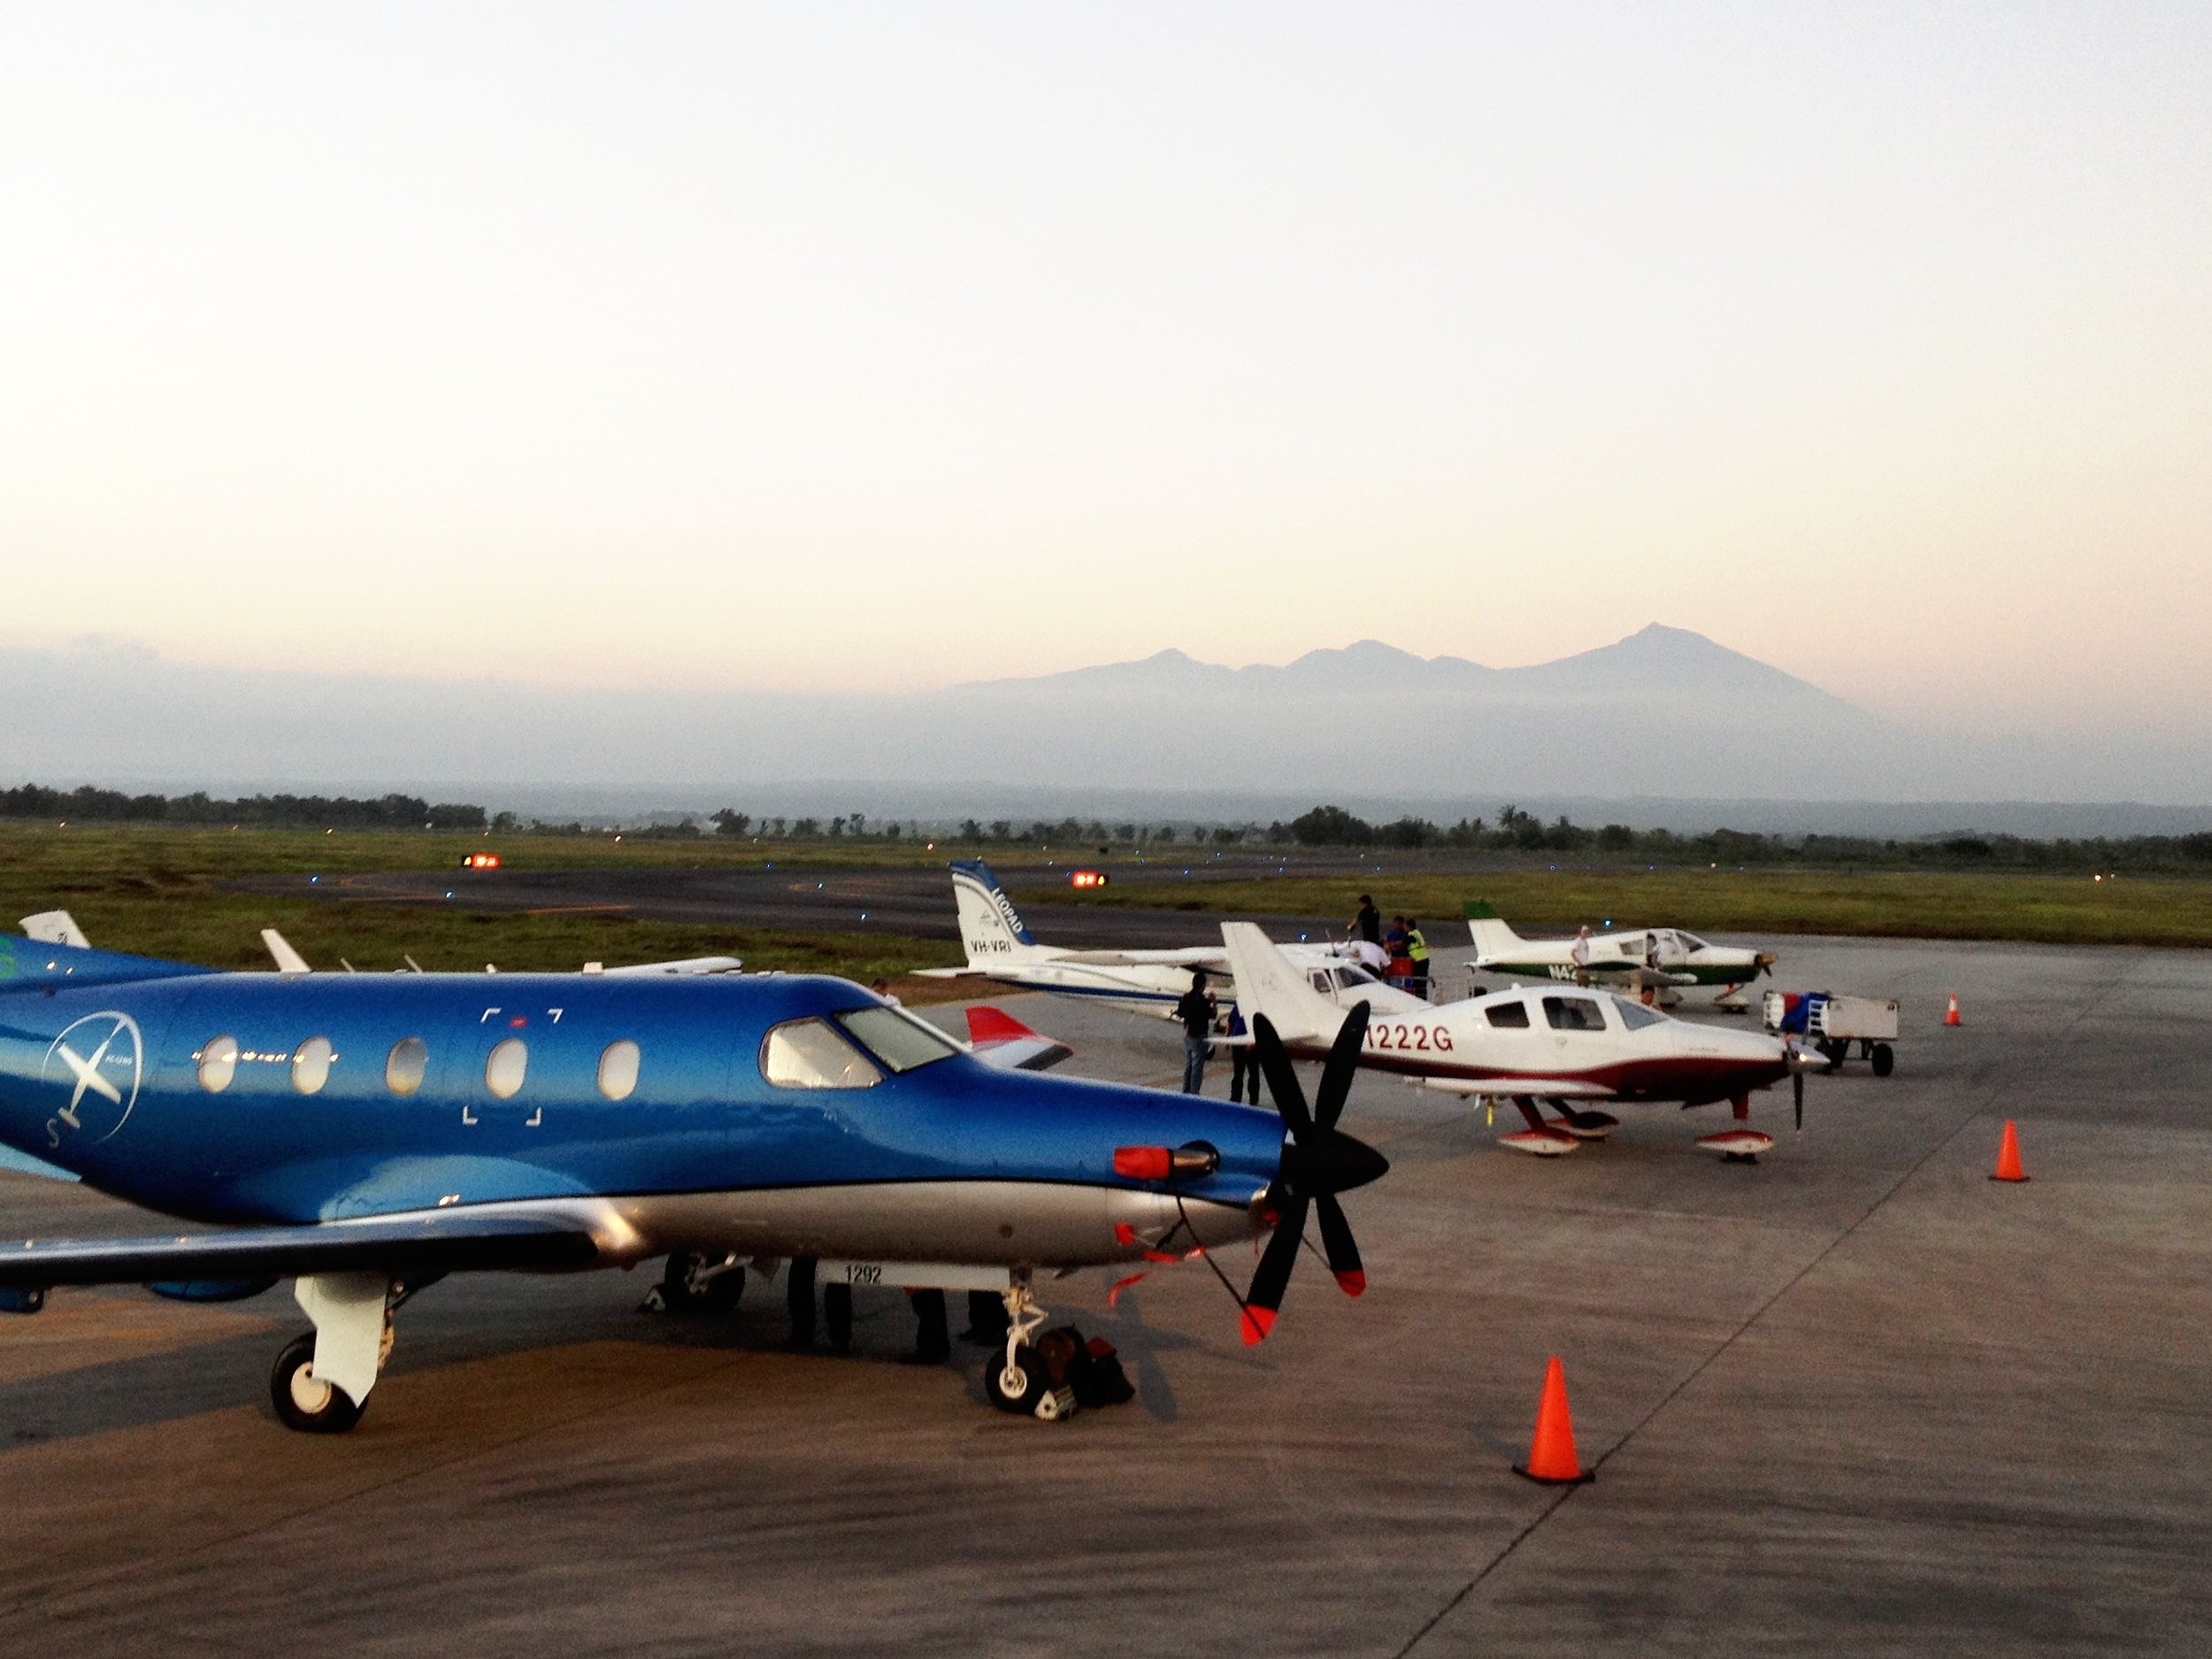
(153, 892)
(2072, 910)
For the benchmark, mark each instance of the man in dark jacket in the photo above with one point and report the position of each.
(1195, 1010)
(1368, 924)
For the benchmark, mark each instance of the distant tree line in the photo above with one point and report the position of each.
(1522, 832)
(1512, 831)
(316, 811)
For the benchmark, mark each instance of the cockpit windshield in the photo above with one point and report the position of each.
(1635, 1015)
(896, 1038)
(1690, 941)
(808, 1054)
(1347, 978)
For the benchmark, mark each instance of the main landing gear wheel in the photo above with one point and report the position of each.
(303, 1403)
(692, 1284)
(1016, 1383)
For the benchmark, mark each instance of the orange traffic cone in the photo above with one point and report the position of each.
(1951, 1014)
(2008, 1157)
(1551, 1455)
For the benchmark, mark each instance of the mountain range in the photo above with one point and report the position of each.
(1665, 713)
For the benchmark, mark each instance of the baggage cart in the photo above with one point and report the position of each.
(1831, 1023)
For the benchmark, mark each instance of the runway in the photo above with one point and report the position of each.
(1856, 1399)
(913, 899)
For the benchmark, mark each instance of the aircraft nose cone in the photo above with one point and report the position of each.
(1336, 1162)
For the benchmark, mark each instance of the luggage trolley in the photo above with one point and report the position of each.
(1831, 1024)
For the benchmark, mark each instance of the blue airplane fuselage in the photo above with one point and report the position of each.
(101, 1074)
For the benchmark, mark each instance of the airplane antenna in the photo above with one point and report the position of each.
(411, 962)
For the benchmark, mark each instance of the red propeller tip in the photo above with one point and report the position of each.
(1351, 1284)
(1257, 1322)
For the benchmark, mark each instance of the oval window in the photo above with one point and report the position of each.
(504, 1068)
(618, 1069)
(218, 1063)
(310, 1065)
(405, 1066)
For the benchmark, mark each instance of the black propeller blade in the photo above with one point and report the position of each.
(1318, 1162)
(1338, 1245)
(1797, 1091)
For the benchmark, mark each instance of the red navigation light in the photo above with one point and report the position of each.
(1087, 878)
(480, 861)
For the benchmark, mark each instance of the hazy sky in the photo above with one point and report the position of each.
(856, 347)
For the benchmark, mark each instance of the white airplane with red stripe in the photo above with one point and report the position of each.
(1559, 1045)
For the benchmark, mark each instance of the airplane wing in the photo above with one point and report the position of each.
(997, 1039)
(1542, 1088)
(442, 1241)
(1207, 957)
(1635, 976)
(681, 964)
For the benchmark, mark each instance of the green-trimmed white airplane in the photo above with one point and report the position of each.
(1665, 959)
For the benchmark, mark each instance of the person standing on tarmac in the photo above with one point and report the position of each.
(837, 1307)
(1417, 953)
(931, 1344)
(1581, 953)
(1244, 1061)
(1394, 943)
(1368, 924)
(1195, 1010)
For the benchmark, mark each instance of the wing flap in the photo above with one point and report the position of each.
(445, 1242)
(1542, 1088)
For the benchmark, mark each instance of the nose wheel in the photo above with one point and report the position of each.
(1017, 1380)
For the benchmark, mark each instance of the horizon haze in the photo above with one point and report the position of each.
(709, 352)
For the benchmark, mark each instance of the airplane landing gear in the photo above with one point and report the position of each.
(1018, 1381)
(303, 1400)
(696, 1284)
(321, 1382)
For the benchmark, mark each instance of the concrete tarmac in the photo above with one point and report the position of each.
(1856, 1399)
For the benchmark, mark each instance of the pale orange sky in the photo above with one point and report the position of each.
(889, 349)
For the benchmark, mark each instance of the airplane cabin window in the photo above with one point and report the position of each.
(406, 1066)
(618, 1069)
(1635, 1015)
(1319, 977)
(505, 1067)
(898, 1039)
(1508, 1016)
(218, 1063)
(310, 1065)
(806, 1053)
(1574, 1013)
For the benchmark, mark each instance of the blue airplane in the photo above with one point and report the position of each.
(366, 1134)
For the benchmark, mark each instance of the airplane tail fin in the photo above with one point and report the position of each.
(55, 927)
(990, 927)
(1492, 937)
(43, 957)
(1268, 984)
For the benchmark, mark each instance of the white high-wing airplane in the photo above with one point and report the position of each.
(1663, 958)
(1560, 1044)
(999, 947)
